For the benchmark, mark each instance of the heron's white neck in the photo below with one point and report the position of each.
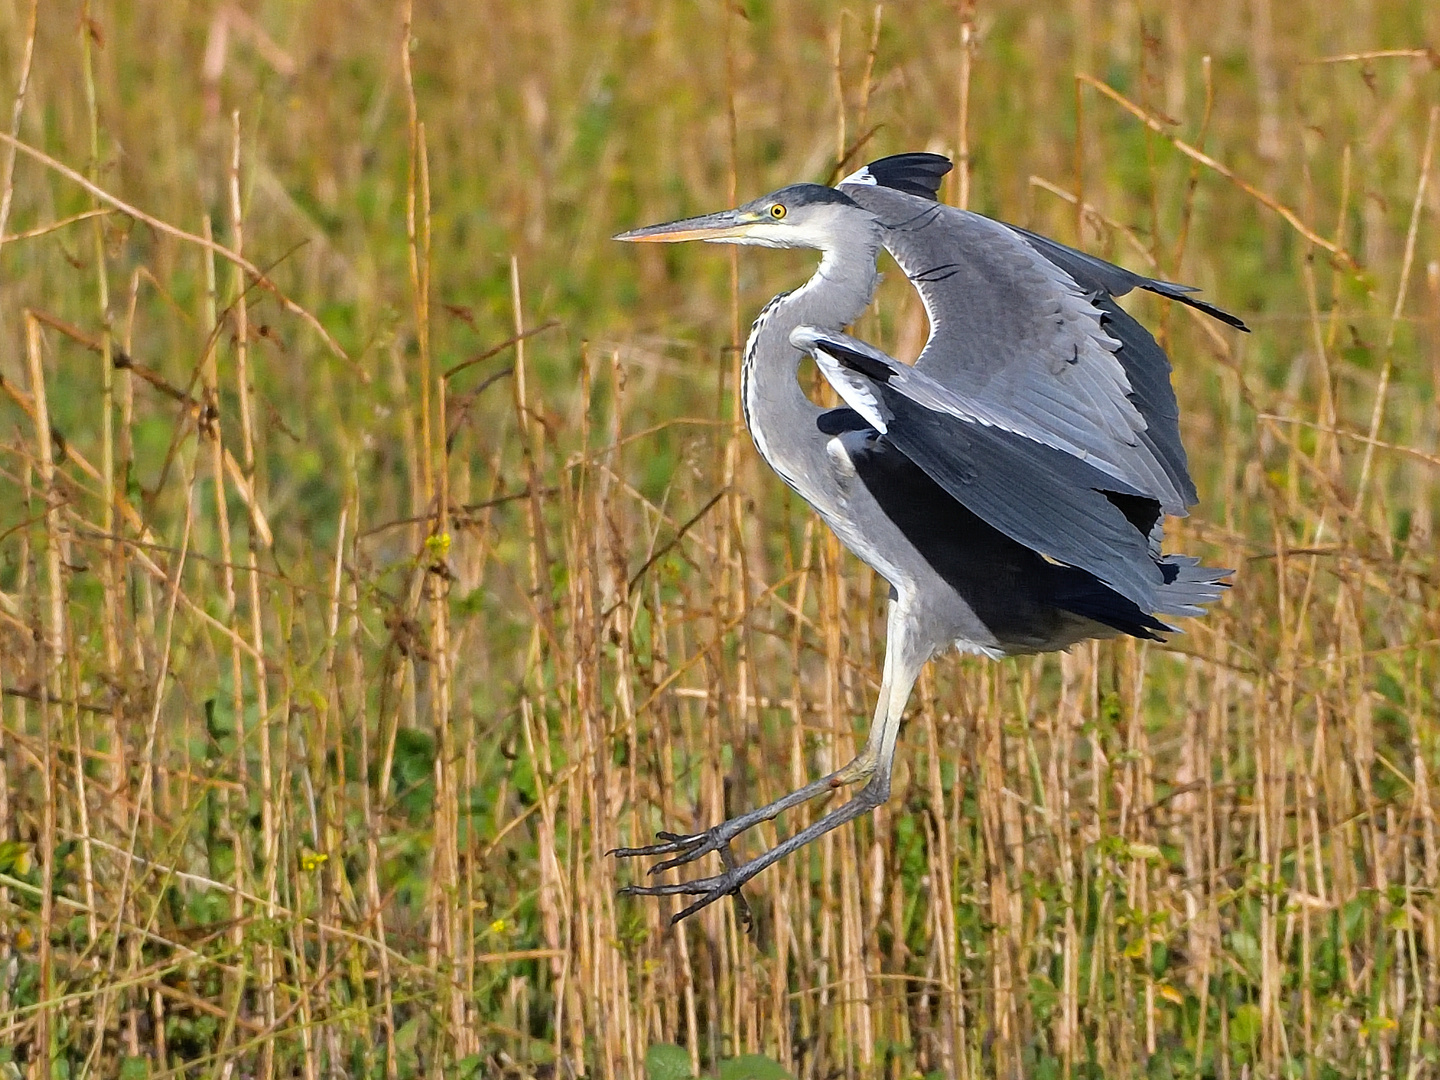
(780, 417)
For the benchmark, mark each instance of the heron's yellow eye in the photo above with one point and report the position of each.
(777, 211)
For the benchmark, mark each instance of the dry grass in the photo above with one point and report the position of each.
(338, 642)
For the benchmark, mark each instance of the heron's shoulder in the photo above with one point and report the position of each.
(944, 235)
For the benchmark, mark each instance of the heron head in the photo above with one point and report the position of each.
(797, 216)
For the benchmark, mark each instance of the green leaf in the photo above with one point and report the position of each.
(1245, 1027)
(409, 1034)
(666, 1061)
(752, 1067)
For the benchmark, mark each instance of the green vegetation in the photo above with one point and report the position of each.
(339, 639)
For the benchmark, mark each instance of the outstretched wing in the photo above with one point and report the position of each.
(1047, 499)
(1028, 330)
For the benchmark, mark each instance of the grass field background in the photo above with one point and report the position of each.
(341, 634)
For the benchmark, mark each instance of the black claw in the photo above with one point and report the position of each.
(704, 902)
(708, 890)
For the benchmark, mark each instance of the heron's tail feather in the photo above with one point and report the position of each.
(1189, 586)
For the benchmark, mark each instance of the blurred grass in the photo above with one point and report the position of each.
(300, 775)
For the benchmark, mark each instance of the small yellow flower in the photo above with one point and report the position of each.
(15, 858)
(438, 546)
(310, 861)
(498, 926)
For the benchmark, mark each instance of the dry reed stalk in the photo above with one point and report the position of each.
(111, 562)
(258, 534)
(27, 405)
(81, 801)
(142, 624)
(369, 797)
(17, 112)
(49, 654)
(209, 432)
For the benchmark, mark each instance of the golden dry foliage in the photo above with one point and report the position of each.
(379, 547)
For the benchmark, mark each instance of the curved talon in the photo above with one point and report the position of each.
(683, 848)
(705, 901)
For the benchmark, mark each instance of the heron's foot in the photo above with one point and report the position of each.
(708, 889)
(685, 848)
(689, 847)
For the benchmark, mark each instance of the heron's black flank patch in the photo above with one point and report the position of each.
(1084, 595)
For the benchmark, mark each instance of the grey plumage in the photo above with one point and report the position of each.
(1010, 486)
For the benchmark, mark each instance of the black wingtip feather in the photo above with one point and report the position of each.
(1093, 274)
(1182, 294)
(915, 174)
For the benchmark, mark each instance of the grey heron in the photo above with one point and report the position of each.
(1010, 485)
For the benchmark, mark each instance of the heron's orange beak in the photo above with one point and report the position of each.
(725, 225)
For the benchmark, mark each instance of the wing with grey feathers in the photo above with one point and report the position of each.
(1049, 500)
(1026, 329)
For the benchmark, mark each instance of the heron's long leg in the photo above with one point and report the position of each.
(874, 763)
(686, 847)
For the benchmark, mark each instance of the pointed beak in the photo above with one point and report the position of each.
(716, 228)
